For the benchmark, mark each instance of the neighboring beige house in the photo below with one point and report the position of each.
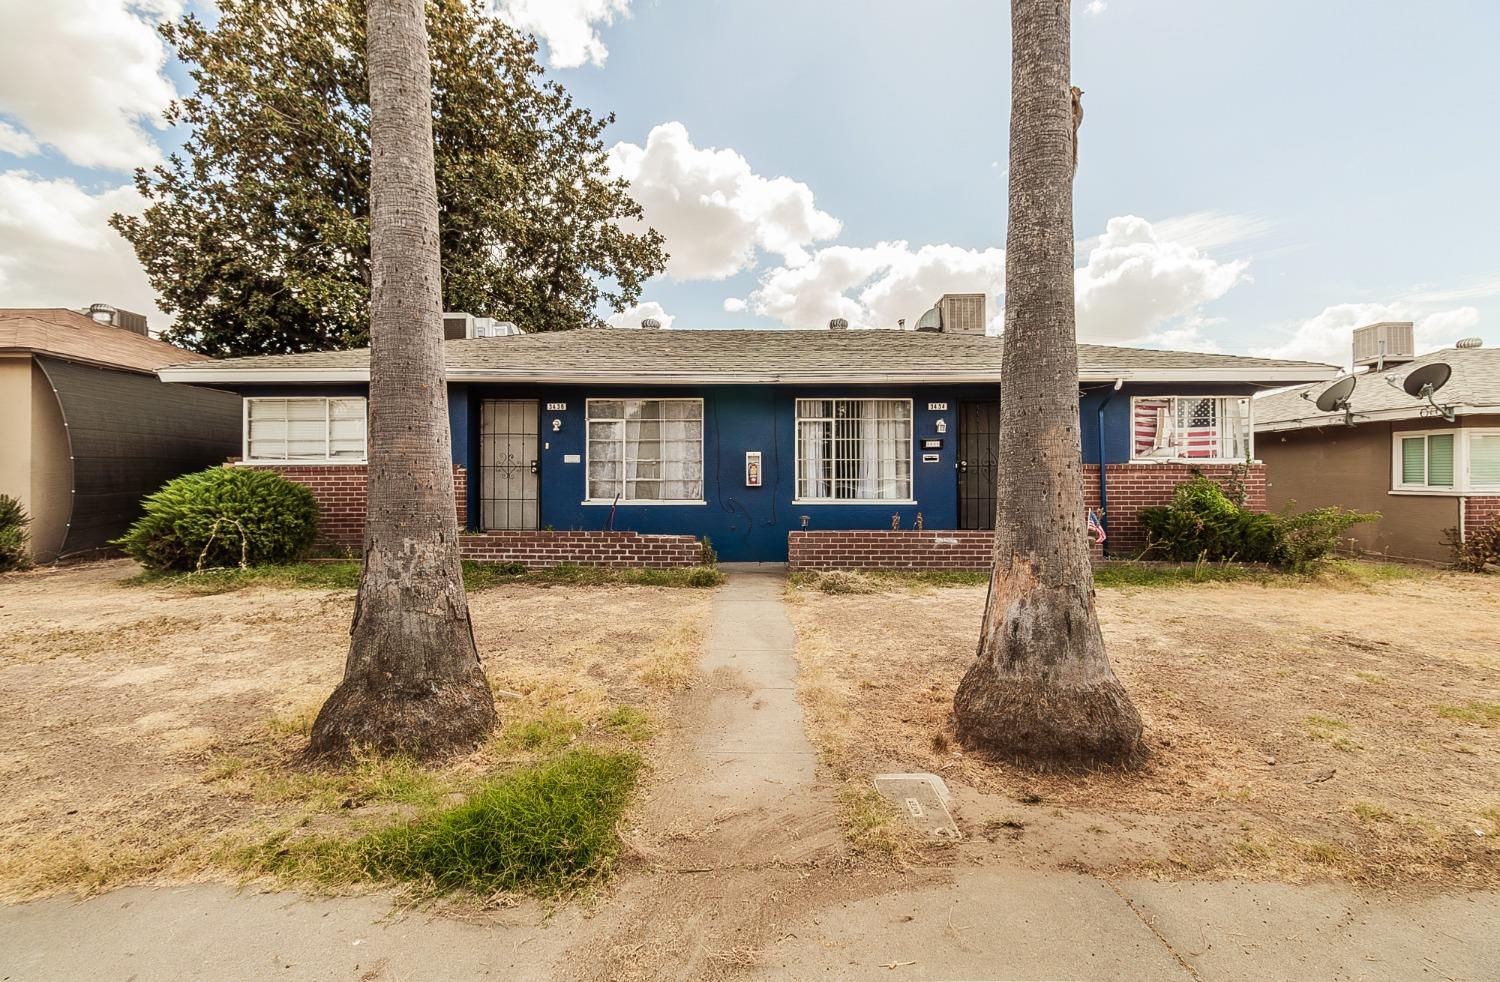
(87, 430)
(1401, 457)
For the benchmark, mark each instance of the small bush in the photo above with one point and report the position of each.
(1203, 523)
(1478, 550)
(223, 517)
(14, 533)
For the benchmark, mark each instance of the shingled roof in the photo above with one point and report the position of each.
(67, 334)
(1473, 388)
(771, 356)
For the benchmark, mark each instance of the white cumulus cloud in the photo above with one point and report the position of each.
(567, 27)
(57, 250)
(1136, 284)
(632, 316)
(713, 209)
(85, 76)
(1327, 336)
(876, 286)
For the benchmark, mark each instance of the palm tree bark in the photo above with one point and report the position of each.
(1041, 690)
(412, 681)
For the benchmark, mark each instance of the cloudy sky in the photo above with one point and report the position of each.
(1254, 177)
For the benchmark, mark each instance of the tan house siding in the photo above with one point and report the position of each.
(15, 429)
(51, 470)
(1352, 467)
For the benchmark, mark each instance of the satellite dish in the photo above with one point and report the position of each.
(1423, 382)
(1426, 380)
(1336, 396)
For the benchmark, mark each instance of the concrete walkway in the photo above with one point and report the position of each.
(740, 873)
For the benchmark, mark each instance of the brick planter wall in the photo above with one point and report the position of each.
(1131, 488)
(890, 549)
(540, 550)
(1479, 512)
(1136, 486)
(340, 492)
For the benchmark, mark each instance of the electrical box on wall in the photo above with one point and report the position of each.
(752, 468)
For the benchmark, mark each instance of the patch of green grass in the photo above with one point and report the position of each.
(1335, 731)
(630, 722)
(1369, 811)
(545, 829)
(1319, 722)
(477, 576)
(371, 780)
(1483, 713)
(548, 732)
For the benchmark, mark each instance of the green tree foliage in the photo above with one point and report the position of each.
(257, 235)
(1203, 522)
(14, 523)
(223, 517)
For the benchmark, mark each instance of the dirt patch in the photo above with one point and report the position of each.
(1297, 732)
(146, 732)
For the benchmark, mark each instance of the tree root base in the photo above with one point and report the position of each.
(448, 719)
(1047, 724)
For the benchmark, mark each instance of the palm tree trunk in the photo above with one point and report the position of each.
(1041, 690)
(412, 681)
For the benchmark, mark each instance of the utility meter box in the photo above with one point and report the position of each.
(752, 469)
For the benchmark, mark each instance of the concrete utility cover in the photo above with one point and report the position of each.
(922, 799)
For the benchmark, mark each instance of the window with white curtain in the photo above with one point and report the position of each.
(854, 449)
(1191, 428)
(647, 450)
(305, 430)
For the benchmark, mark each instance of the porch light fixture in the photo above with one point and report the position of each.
(557, 426)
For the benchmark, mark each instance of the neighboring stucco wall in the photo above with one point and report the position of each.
(15, 429)
(1351, 466)
(51, 470)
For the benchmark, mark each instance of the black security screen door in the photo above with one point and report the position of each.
(978, 463)
(507, 464)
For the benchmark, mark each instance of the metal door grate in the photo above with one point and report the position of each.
(508, 464)
(978, 463)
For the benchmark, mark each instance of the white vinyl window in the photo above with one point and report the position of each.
(305, 430)
(1204, 428)
(854, 450)
(645, 450)
(1446, 461)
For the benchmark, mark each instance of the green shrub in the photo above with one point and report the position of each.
(14, 525)
(223, 517)
(1203, 523)
(1478, 550)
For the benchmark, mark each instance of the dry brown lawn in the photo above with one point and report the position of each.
(150, 735)
(1334, 730)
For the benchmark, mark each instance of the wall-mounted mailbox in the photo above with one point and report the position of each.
(932, 444)
(931, 458)
(752, 468)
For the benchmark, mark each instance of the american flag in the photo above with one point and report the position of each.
(1156, 433)
(1096, 528)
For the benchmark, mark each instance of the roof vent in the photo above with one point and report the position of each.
(651, 324)
(1385, 344)
(838, 324)
(1469, 343)
(103, 313)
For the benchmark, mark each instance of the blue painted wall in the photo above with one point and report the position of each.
(746, 523)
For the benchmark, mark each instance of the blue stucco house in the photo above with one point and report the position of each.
(744, 437)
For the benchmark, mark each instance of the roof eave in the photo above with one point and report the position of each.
(1374, 416)
(221, 375)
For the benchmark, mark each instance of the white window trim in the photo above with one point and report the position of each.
(702, 454)
(911, 418)
(246, 461)
(1249, 430)
(1463, 483)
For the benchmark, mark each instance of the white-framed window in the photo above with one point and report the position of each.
(305, 430)
(854, 450)
(1449, 461)
(645, 450)
(1206, 428)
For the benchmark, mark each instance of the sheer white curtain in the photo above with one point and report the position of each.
(884, 434)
